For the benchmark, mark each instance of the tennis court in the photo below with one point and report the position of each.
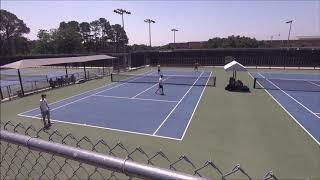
(297, 94)
(131, 105)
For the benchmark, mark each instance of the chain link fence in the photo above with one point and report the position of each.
(19, 162)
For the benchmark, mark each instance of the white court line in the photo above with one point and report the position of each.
(148, 72)
(185, 130)
(290, 96)
(89, 96)
(118, 130)
(142, 99)
(287, 112)
(314, 83)
(289, 79)
(177, 104)
(147, 89)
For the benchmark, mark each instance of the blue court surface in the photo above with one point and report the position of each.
(298, 94)
(134, 107)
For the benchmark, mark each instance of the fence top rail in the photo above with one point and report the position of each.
(124, 166)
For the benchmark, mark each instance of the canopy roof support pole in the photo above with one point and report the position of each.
(22, 91)
(103, 65)
(66, 69)
(84, 69)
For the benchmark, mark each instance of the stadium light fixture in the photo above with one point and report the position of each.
(174, 35)
(121, 12)
(149, 21)
(289, 22)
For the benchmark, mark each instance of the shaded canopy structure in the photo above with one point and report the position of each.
(234, 66)
(29, 63)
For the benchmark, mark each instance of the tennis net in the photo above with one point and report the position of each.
(307, 85)
(204, 80)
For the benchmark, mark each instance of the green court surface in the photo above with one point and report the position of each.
(228, 128)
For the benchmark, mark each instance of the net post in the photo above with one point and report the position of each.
(214, 81)
(254, 83)
(111, 76)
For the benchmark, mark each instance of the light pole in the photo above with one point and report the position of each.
(149, 21)
(174, 35)
(290, 22)
(121, 12)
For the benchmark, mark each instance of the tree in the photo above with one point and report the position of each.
(140, 47)
(68, 37)
(232, 42)
(106, 32)
(119, 36)
(43, 44)
(96, 31)
(85, 33)
(11, 30)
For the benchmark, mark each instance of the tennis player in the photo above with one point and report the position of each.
(45, 111)
(159, 69)
(196, 65)
(160, 85)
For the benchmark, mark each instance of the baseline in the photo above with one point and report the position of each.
(99, 127)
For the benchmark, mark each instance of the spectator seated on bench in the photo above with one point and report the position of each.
(51, 83)
(236, 85)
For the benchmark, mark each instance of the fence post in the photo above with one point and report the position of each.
(1, 95)
(8, 92)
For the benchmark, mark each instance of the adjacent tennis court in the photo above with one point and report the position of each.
(131, 105)
(298, 94)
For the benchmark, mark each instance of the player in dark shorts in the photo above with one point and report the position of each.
(159, 69)
(160, 85)
(196, 65)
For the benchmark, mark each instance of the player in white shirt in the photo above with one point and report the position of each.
(160, 85)
(45, 110)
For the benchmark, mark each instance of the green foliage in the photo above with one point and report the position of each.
(75, 37)
(68, 37)
(233, 42)
(11, 30)
(140, 47)
(119, 36)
